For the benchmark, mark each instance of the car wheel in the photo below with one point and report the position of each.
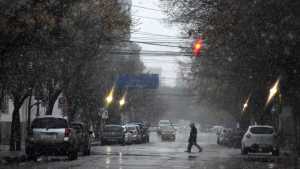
(275, 152)
(244, 150)
(73, 155)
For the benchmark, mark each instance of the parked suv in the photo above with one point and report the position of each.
(84, 137)
(51, 135)
(260, 138)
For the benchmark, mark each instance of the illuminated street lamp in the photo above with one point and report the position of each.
(245, 106)
(122, 102)
(109, 99)
(273, 91)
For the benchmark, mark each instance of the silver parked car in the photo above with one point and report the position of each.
(51, 135)
(135, 132)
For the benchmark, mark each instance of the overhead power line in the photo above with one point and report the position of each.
(156, 44)
(156, 34)
(148, 17)
(147, 8)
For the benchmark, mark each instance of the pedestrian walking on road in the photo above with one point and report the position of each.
(193, 139)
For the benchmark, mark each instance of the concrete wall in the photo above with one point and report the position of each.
(6, 118)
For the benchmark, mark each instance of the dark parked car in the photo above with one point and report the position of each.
(235, 138)
(112, 134)
(84, 136)
(51, 135)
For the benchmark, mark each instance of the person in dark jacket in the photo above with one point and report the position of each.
(193, 139)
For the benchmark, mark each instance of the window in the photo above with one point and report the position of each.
(4, 104)
(261, 130)
(49, 123)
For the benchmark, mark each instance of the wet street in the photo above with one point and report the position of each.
(161, 155)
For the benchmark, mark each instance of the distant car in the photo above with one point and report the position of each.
(112, 134)
(51, 135)
(222, 136)
(168, 133)
(135, 132)
(162, 124)
(217, 129)
(259, 139)
(235, 138)
(84, 137)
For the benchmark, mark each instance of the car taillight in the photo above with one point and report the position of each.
(248, 135)
(67, 132)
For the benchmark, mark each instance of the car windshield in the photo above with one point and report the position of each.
(261, 130)
(77, 126)
(131, 128)
(49, 123)
(164, 123)
(113, 128)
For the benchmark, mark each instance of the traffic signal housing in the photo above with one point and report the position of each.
(197, 46)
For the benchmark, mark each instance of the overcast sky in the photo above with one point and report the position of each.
(152, 22)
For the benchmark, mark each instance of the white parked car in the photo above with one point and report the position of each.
(260, 139)
(133, 133)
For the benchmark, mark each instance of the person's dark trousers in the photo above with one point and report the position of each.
(195, 144)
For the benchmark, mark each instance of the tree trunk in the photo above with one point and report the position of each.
(29, 113)
(52, 99)
(15, 134)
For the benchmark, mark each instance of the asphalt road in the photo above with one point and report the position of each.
(161, 155)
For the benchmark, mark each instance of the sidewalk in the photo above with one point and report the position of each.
(7, 156)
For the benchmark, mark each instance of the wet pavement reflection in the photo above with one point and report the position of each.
(162, 155)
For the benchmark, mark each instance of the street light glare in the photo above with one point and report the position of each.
(246, 104)
(273, 91)
(110, 96)
(122, 102)
(109, 99)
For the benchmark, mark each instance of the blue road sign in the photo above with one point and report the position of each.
(144, 81)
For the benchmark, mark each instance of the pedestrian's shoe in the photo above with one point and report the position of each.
(187, 151)
(200, 150)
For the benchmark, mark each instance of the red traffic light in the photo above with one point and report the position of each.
(197, 46)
